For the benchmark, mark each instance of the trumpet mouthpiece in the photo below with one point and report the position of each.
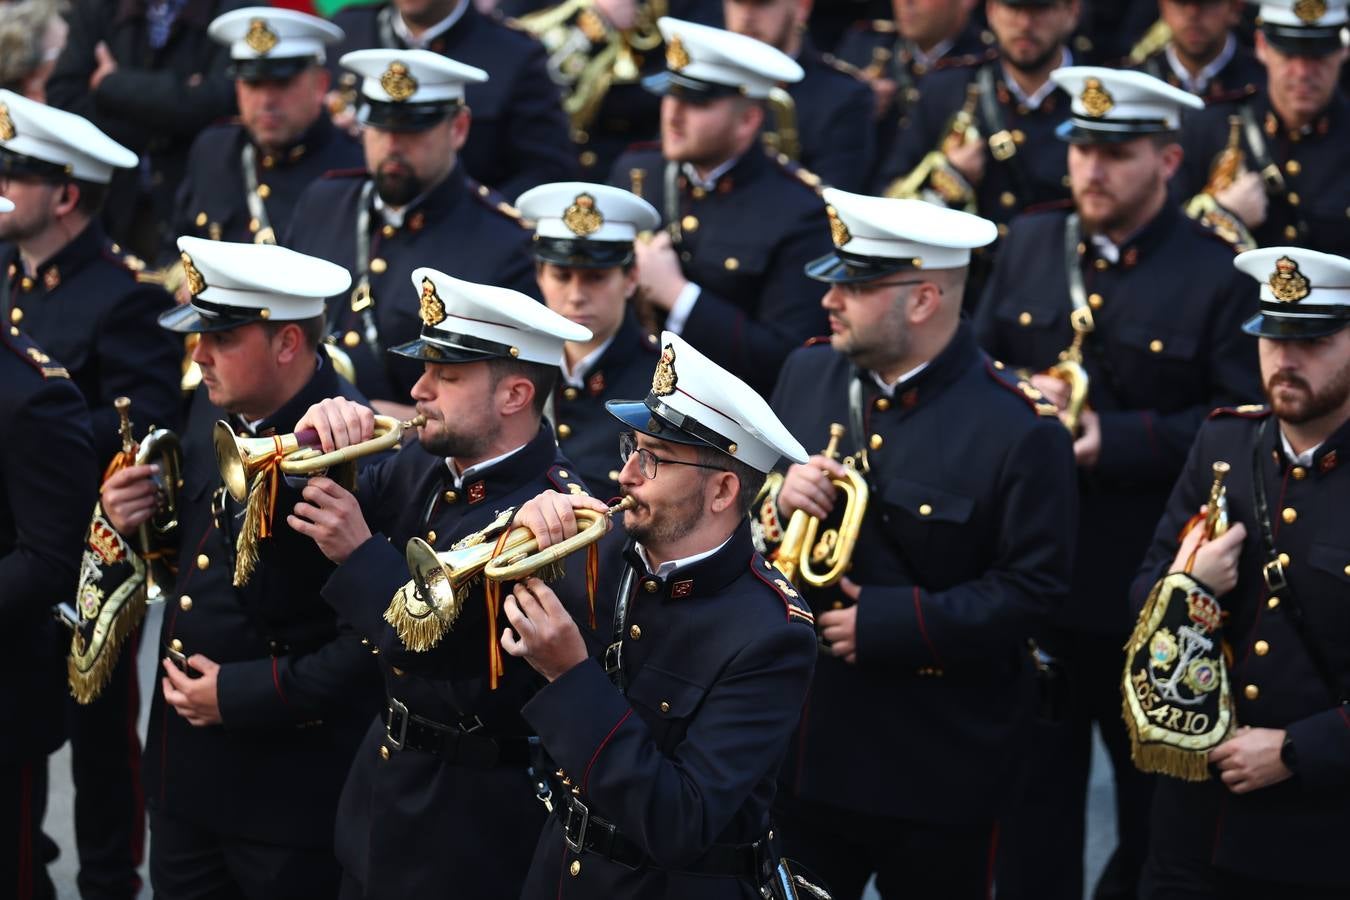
(416, 421)
(1221, 468)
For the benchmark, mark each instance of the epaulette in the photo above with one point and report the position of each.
(965, 61)
(352, 172)
(1222, 226)
(799, 172)
(1021, 388)
(114, 254)
(1237, 95)
(23, 347)
(565, 480)
(495, 201)
(817, 340)
(766, 572)
(1246, 411)
(765, 525)
(843, 67)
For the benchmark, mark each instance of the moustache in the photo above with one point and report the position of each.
(1284, 378)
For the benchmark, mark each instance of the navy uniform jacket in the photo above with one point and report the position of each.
(1036, 174)
(458, 227)
(745, 243)
(87, 309)
(296, 690)
(1314, 210)
(876, 50)
(211, 201)
(965, 549)
(1167, 348)
(686, 756)
(48, 487)
(1294, 832)
(519, 137)
(586, 431)
(407, 818)
(1243, 73)
(834, 122)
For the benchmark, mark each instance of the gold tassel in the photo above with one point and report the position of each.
(418, 625)
(86, 684)
(246, 546)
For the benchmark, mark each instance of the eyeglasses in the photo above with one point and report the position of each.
(856, 289)
(647, 460)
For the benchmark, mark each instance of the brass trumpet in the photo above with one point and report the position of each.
(160, 446)
(1215, 520)
(240, 459)
(933, 178)
(801, 552)
(1228, 166)
(1071, 371)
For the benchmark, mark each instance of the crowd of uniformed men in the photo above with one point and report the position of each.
(1019, 272)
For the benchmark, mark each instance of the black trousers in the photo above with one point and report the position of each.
(912, 860)
(189, 862)
(1041, 843)
(105, 766)
(23, 803)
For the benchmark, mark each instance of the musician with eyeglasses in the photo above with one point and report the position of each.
(667, 743)
(440, 790)
(262, 693)
(916, 724)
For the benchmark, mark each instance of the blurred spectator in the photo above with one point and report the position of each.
(32, 33)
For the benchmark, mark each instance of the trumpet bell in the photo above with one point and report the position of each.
(239, 458)
(1072, 373)
(433, 580)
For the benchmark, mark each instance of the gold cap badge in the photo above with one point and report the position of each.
(663, 379)
(195, 282)
(839, 232)
(1096, 100)
(1309, 11)
(1287, 283)
(582, 218)
(397, 83)
(260, 38)
(432, 310)
(7, 131)
(676, 56)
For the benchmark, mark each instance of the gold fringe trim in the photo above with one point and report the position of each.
(86, 684)
(419, 625)
(246, 546)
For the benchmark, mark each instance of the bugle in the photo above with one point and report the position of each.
(1070, 370)
(1226, 168)
(934, 178)
(1214, 521)
(805, 547)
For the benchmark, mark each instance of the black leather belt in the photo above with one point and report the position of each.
(455, 744)
(584, 832)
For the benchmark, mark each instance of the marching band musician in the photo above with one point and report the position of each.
(1149, 304)
(438, 793)
(262, 695)
(1203, 55)
(48, 484)
(584, 263)
(963, 551)
(243, 178)
(413, 202)
(724, 272)
(668, 746)
(1272, 817)
(80, 297)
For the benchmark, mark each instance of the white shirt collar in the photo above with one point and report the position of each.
(1106, 248)
(1198, 83)
(420, 42)
(940, 49)
(1299, 459)
(670, 566)
(890, 389)
(477, 467)
(576, 377)
(709, 183)
(1034, 101)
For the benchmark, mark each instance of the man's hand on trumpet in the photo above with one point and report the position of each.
(810, 487)
(551, 516)
(331, 516)
(130, 497)
(339, 423)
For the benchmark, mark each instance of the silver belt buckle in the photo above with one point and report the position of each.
(578, 845)
(399, 707)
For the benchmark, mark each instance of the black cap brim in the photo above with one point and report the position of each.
(189, 319)
(580, 254)
(424, 350)
(639, 417)
(12, 163)
(1292, 40)
(693, 90)
(405, 116)
(264, 69)
(846, 268)
(1080, 132)
(1290, 328)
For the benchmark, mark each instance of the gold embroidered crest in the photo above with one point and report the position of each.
(1287, 283)
(260, 38)
(432, 310)
(397, 83)
(1309, 11)
(195, 282)
(7, 131)
(1096, 100)
(664, 379)
(839, 232)
(582, 218)
(676, 56)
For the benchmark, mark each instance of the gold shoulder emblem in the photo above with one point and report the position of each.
(582, 218)
(195, 282)
(839, 232)
(676, 56)
(1287, 283)
(260, 38)
(1096, 100)
(398, 83)
(431, 309)
(1310, 11)
(7, 131)
(664, 378)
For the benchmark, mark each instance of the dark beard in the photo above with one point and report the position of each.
(676, 523)
(397, 190)
(456, 446)
(1318, 403)
(1037, 64)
